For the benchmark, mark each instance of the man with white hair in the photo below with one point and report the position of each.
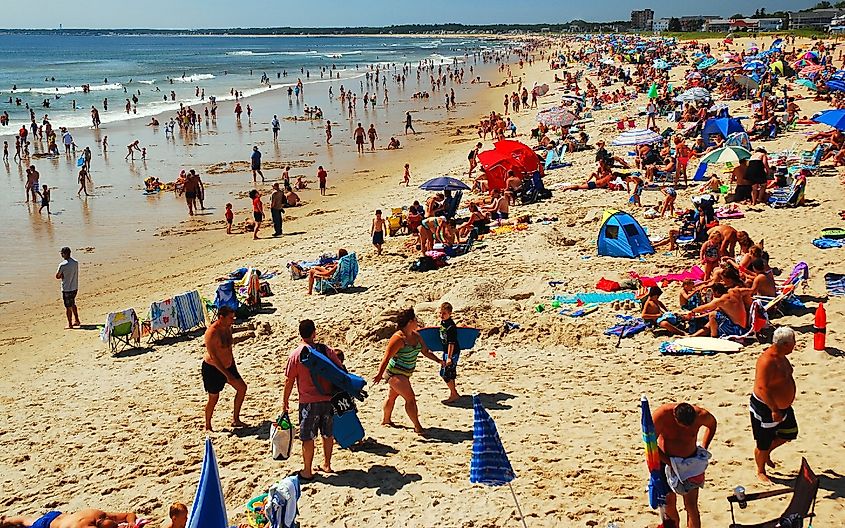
(772, 418)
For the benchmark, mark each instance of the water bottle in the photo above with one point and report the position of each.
(284, 421)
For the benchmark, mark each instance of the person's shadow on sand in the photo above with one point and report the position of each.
(386, 480)
(492, 402)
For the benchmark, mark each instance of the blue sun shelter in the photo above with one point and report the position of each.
(721, 125)
(622, 236)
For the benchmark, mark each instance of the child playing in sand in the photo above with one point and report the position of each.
(668, 202)
(451, 351)
(407, 176)
(144, 154)
(638, 189)
(377, 231)
(45, 198)
(178, 516)
(656, 314)
(230, 217)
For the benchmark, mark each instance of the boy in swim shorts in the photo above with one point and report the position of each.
(451, 351)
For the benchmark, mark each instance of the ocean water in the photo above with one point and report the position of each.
(35, 68)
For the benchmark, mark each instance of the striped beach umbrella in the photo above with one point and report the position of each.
(637, 137)
(694, 94)
(726, 155)
(558, 116)
(567, 98)
(657, 488)
(812, 69)
(835, 86)
(693, 75)
(489, 463)
(754, 65)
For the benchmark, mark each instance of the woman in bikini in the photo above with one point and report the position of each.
(400, 361)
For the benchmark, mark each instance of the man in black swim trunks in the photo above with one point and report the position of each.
(218, 366)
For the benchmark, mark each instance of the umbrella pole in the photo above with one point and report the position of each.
(518, 509)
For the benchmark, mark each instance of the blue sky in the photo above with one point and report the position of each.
(264, 13)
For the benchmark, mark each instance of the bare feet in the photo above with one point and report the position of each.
(209, 428)
(238, 423)
(388, 424)
(419, 430)
(762, 477)
(451, 399)
(77, 324)
(325, 469)
(770, 463)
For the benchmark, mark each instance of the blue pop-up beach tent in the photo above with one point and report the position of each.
(622, 236)
(723, 125)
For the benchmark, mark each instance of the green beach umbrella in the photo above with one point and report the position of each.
(726, 155)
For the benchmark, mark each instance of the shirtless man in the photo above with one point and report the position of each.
(603, 175)
(359, 134)
(218, 366)
(728, 233)
(373, 136)
(772, 418)
(192, 190)
(763, 283)
(131, 148)
(87, 518)
(513, 184)
(728, 312)
(323, 272)
(677, 426)
(498, 208)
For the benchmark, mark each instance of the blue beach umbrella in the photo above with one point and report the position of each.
(835, 86)
(754, 65)
(444, 183)
(807, 83)
(209, 508)
(489, 463)
(834, 118)
(706, 63)
(661, 64)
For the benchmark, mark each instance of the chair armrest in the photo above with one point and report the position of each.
(761, 495)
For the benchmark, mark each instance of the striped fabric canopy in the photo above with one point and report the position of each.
(637, 137)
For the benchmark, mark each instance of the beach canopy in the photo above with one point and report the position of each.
(444, 183)
(558, 116)
(834, 118)
(722, 125)
(209, 508)
(782, 68)
(524, 155)
(637, 137)
(694, 94)
(724, 155)
(622, 236)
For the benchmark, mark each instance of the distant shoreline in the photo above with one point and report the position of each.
(200, 33)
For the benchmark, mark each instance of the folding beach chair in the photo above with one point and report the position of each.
(226, 296)
(801, 506)
(190, 311)
(122, 330)
(249, 293)
(792, 196)
(162, 320)
(396, 221)
(342, 278)
(809, 160)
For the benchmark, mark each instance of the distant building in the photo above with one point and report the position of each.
(813, 19)
(696, 22)
(718, 25)
(769, 24)
(642, 19)
(661, 24)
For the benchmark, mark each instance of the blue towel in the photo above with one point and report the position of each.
(835, 283)
(827, 243)
(630, 326)
(595, 297)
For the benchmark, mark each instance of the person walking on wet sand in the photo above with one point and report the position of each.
(772, 417)
(677, 426)
(409, 123)
(192, 190)
(276, 127)
(328, 132)
(373, 136)
(218, 366)
(255, 163)
(131, 148)
(257, 211)
(68, 273)
(316, 414)
(45, 198)
(359, 135)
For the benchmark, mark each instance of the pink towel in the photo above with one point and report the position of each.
(694, 273)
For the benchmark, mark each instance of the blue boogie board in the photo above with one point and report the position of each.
(347, 429)
(321, 366)
(431, 336)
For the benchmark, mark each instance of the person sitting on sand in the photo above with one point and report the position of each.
(292, 199)
(655, 313)
(762, 283)
(399, 363)
(713, 185)
(393, 144)
(477, 219)
(301, 183)
(512, 187)
(323, 272)
(178, 516)
(87, 518)
(727, 313)
(498, 208)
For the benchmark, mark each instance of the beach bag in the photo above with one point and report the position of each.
(424, 263)
(281, 437)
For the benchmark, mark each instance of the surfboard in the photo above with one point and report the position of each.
(835, 233)
(431, 337)
(580, 310)
(709, 344)
(324, 367)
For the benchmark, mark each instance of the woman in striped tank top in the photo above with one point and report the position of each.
(400, 361)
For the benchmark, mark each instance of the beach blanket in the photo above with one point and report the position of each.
(628, 327)
(670, 348)
(695, 273)
(163, 315)
(190, 312)
(835, 283)
(827, 243)
(116, 319)
(594, 297)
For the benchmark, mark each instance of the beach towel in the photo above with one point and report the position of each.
(281, 503)
(628, 327)
(594, 297)
(835, 283)
(827, 243)
(686, 474)
(670, 348)
(163, 315)
(116, 319)
(695, 273)
(608, 285)
(190, 312)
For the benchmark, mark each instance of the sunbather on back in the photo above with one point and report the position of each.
(87, 518)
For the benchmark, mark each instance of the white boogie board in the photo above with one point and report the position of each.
(709, 344)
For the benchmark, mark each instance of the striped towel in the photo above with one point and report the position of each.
(835, 283)
(190, 312)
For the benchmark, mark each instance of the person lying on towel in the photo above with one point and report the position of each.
(87, 518)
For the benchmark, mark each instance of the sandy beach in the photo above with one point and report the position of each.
(84, 428)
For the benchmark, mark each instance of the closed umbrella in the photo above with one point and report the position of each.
(489, 463)
(444, 183)
(657, 488)
(559, 117)
(637, 137)
(834, 118)
(726, 155)
(209, 508)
